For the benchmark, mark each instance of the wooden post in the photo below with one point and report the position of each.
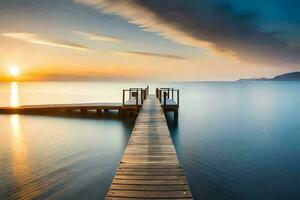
(120, 113)
(137, 99)
(129, 93)
(160, 96)
(178, 98)
(176, 116)
(172, 93)
(165, 99)
(123, 101)
(142, 96)
(147, 90)
(156, 92)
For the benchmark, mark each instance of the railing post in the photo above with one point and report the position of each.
(165, 99)
(160, 96)
(123, 100)
(142, 96)
(137, 99)
(178, 98)
(129, 93)
(156, 92)
(147, 90)
(172, 93)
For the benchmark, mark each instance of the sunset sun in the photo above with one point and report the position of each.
(14, 71)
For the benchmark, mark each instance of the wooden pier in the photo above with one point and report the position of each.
(132, 101)
(150, 168)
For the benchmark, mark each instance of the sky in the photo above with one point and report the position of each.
(137, 40)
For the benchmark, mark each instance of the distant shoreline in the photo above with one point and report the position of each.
(293, 76)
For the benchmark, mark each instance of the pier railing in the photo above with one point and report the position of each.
(134, 96)
(168, 96)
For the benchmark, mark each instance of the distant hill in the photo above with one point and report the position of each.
(293, 76)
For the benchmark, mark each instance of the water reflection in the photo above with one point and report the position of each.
(20, 166)
(14, 94)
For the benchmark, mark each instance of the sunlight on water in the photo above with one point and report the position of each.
(14, 94)
(20, 165)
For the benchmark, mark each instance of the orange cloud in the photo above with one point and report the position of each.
(140, 53)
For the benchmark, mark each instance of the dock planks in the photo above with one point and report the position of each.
(150, 168)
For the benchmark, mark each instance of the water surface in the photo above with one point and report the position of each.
(234, 140)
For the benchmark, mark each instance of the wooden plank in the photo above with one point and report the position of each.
(153, 177)
(150, 173)
(146, 170)
(150, 187)
(125, 198)
(149, 194)
(150, 182)
(149, 168)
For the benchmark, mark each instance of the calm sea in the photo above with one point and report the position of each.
(235, 140)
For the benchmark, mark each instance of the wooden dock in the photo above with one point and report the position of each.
(83, 107)
(150, 168)
(130, 103)
(133, 99)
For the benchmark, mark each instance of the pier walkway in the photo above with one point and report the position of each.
(150, 168)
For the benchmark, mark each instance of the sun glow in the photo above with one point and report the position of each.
(14, 71)
(14, 94)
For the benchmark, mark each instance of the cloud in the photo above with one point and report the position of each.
(42, 40)
(78, 77)
(139, 53)
(98, 37)
(214, 25)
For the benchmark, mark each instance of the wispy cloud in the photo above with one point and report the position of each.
(215, 25)
(98, 37)
(43, 40)
(140, 53)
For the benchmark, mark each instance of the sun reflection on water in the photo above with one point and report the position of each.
(21, 171)
(14, 94)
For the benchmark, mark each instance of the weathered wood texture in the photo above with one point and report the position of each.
(149, 168)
